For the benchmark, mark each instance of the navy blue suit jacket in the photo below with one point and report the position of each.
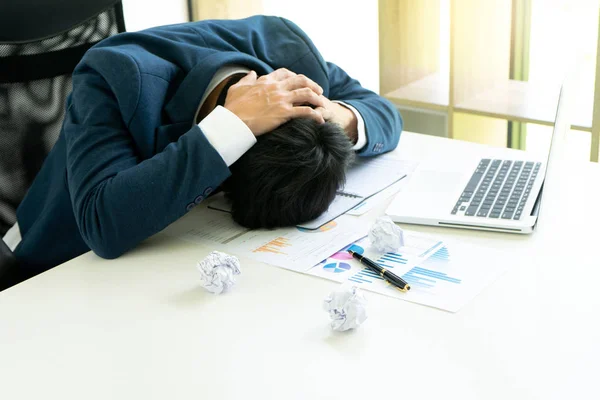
(130, 159)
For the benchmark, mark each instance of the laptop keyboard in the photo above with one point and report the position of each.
(498, 189)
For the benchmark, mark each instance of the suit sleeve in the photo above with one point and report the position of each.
(383, 123)
(119, 199)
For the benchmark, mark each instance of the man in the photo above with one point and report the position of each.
(156, 118)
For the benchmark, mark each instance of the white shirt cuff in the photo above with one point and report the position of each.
(362, 136)
(13, 237)
(228, 134)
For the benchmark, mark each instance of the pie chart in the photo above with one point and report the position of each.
(337, 267)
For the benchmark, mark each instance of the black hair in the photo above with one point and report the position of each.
(290, 175)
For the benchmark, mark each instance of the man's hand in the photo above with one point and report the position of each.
(344, 117)
(265, 103)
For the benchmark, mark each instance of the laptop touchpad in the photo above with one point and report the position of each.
(439, 182)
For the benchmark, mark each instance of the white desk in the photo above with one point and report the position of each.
(140, 327)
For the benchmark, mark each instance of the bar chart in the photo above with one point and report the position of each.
(388, 260)
(276, 246)
(297, 250)
(428, 274)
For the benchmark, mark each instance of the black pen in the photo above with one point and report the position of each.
(386, 274)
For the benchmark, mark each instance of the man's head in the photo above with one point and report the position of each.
(290, 176)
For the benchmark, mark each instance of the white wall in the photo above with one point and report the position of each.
(142, 14)
(345, 32)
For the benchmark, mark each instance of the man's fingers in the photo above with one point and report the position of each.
(306, 96)
(324, 112)
(301, 81)
(307, 112)
(280, 74)
(248, 79)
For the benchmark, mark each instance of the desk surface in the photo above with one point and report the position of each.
(142, 327)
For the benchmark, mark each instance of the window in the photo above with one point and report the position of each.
(505, 63)
(563, 33)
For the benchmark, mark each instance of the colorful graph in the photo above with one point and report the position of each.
(337, 267)
(418, 276)
(441, 254)
(341, 255)
(365, 276)
(274, 246)
(429, 250)
(324, 228)
(344, 255)
(428, 277)
(335, 263)
(389, 260)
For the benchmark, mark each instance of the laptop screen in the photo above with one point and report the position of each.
(561, 126)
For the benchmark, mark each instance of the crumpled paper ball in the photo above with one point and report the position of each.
(217, 271)
(347, 308)
(385, 235)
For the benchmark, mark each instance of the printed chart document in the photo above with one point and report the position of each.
(292, 248)
(442, 274)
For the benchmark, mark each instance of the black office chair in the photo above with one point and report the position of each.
(41, 42)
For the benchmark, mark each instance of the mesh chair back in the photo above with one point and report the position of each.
(35, 79)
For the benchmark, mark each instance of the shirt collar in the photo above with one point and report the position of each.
(223, 73)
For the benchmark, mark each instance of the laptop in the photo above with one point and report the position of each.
(493, 189)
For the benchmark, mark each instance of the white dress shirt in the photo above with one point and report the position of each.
(230, 137)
